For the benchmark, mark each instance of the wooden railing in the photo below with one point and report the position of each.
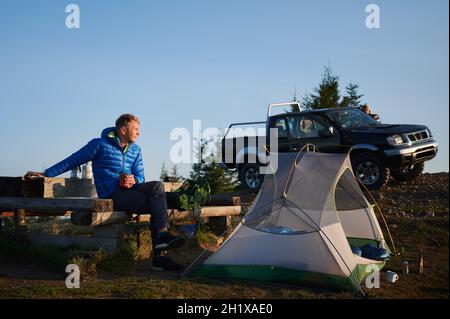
(77, 198)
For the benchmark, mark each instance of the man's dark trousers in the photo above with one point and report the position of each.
(145, 198)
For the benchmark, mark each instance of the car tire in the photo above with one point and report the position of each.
(370, 170)
(409, 173)
(250, 177)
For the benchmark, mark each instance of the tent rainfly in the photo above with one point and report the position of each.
(301, 227)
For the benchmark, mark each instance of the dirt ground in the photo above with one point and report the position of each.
(416, 213)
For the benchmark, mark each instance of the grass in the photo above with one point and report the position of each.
(18, 250)
(121, 262)
(126, 275)
(413, 236)
(145, 287)
(205, 237)
(135, 280)
(116, 276)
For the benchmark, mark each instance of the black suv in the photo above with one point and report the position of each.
(378, 151)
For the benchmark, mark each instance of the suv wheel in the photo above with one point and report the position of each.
(250, 177)
(370, 170)
(409, 173)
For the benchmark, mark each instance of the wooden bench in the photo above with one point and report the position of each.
(49, 197)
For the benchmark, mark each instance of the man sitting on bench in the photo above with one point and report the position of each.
(119, 175)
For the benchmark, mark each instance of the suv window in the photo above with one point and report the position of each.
(305, 127)
(352, 118)
(281, 125)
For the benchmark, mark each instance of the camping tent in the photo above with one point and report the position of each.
(301, 226)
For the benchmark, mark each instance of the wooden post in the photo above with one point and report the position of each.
(103, 218)
(220, 225)
(46, 187)
(20, 220)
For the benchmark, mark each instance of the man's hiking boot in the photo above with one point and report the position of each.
(164, 263)
(166, 241)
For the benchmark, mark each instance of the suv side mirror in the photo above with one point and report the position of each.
(330, 131)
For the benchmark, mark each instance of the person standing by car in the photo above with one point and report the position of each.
(366, 109)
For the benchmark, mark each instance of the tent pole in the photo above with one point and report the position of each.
(382, 216)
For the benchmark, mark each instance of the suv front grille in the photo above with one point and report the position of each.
(418, 136)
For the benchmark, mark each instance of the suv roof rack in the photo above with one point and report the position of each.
(269, 108)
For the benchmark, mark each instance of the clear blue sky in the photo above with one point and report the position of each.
(170, 62)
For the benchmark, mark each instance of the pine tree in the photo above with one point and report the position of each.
(308, 101)
(294, 107)
(353, 98)
(164, 173)
(327, 93)
(174, 174)
(207, 170)
(345, 101)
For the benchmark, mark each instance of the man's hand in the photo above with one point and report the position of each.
(33, 175)
(127, 180)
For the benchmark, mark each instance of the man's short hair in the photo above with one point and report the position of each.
(125, 119)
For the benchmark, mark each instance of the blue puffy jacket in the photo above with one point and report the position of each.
(108, 162)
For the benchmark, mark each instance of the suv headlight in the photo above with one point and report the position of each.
(395, 140)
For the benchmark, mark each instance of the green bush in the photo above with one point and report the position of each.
(205, 236)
